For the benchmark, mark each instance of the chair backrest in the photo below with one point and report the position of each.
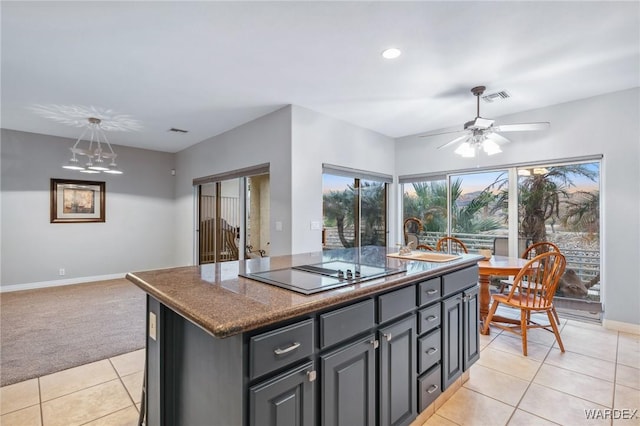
(451, 245)
(538, 248)
(501, 246)
(539, 278)
(424, 247)
(411, 227)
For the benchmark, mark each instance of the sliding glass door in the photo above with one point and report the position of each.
(555, 202)
(233, 215)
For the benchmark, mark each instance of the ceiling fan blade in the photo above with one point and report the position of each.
(497, 138)
(443, 133)
(456, 140)
(521, 127)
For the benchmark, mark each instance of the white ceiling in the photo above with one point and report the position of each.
(208, 67)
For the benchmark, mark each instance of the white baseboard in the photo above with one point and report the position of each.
(625, 327)
(57, 283)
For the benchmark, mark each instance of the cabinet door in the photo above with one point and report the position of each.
(451, 340)
(398, 373)
(349, 385)
(471, 332)
(285, 400)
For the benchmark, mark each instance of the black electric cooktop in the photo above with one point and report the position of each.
(310, 279)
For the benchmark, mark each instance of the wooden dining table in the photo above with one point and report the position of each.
(496, 265)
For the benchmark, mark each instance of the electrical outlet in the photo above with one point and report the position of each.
(152, 325)
(61, 272)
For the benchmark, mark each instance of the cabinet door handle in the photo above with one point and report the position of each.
(432, 318)
(432, 389)
(432, 351)
(293, 347)
(311, 375)
(387, 336)
(375, 344)
(432, 291)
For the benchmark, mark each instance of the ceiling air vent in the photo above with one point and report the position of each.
(496, 96)
(174, 130)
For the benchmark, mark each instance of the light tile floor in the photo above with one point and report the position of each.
(101, 393)
(599, 371)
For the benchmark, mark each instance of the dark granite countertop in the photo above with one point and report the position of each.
(219, 301)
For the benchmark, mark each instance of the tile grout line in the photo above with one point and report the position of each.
(40, 403)
(517, 407)
(123, 385)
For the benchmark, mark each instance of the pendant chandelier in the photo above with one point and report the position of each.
(100, 157)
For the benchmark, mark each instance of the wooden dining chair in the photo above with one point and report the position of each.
(532, 292)
(424, 247)
(451, 245)
(529, 253)
(532, 251)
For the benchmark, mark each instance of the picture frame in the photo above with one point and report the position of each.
(77, 201)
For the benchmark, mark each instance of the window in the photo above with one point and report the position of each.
(555, 202)
(354, 208)
(561, 204)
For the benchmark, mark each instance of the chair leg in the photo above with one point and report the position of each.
(487, 320)
(555, 330)
(524, 320)
(555, 314)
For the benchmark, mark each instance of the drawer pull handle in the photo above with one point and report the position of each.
(387, 336)
(432, 351)
(432, 318)
(432, 389)
(293, 347)
(311, 375)
(375, 344)
(432, 291)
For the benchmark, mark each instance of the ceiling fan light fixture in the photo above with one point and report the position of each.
(466, 150)
(490, 147)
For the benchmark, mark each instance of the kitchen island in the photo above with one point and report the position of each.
(223, 349)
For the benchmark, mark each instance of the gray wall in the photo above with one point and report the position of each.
(606, 125)
(318, 139)
(264, 140)
(139, 228)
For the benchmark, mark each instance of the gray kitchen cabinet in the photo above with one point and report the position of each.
(379, 360)
(460, 337)
(285, 400)
(348, 382)
(471, 332)
(397, 373)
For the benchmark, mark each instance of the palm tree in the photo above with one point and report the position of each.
(540, 196)
(583, 214)
(338, 206)
(430, 204)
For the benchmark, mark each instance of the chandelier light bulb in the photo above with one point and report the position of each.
(73, 164)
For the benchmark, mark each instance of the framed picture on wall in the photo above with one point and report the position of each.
(77, 201)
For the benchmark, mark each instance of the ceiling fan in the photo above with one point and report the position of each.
(480, 133)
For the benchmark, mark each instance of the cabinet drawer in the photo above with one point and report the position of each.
(429, 318)
(345, 323)
(459, 280)
(429, 352)
(429, 291)
(429, 388)
(396, 303)
(278, 348)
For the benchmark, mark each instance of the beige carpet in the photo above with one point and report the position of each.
(47, 330)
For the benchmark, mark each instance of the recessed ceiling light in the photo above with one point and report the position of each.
(391, 53)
